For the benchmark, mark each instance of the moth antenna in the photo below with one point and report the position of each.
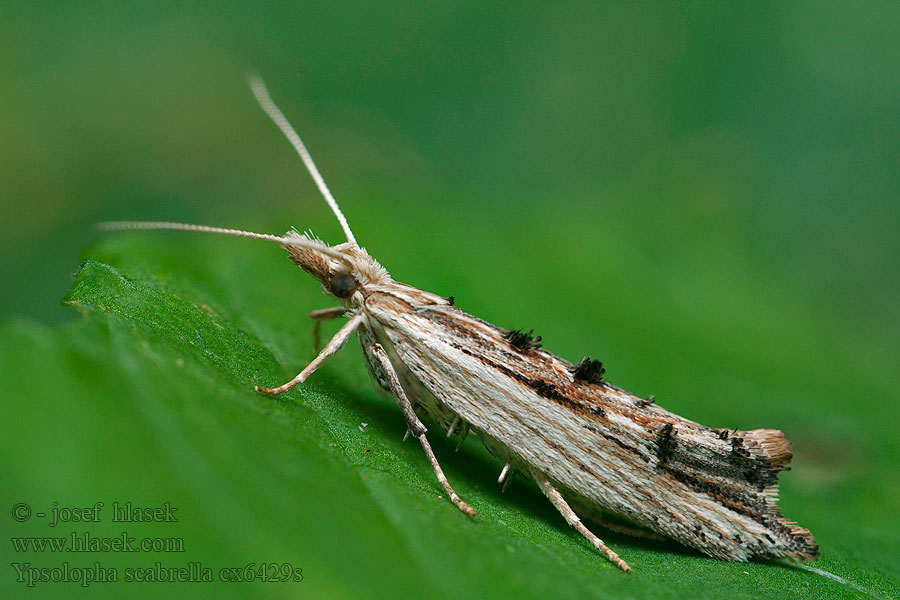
(167, 225)
(267, 104)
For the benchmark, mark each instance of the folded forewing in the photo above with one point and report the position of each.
(708, 488)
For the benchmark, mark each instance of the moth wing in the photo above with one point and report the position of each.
(712, 489)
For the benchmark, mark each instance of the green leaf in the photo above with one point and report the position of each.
(149, 399)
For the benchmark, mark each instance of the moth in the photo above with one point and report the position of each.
(592, 448)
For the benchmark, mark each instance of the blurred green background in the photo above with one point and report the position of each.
(703, 196)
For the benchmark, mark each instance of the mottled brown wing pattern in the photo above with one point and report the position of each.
(712, 489)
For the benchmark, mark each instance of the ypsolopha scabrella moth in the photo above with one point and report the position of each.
(587, 444)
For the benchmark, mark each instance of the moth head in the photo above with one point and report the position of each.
(342, 270)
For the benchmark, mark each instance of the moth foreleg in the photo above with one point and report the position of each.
(335, 344)
(323, 314)
(416, 427)
(572, 519)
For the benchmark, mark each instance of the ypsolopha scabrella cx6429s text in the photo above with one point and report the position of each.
(592, 448)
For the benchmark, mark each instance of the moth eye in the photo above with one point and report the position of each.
(342, 285)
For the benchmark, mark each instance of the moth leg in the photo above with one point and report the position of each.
(463, 434)
(572, 519)
(416, 427)
(339, 339)
(323, 314)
